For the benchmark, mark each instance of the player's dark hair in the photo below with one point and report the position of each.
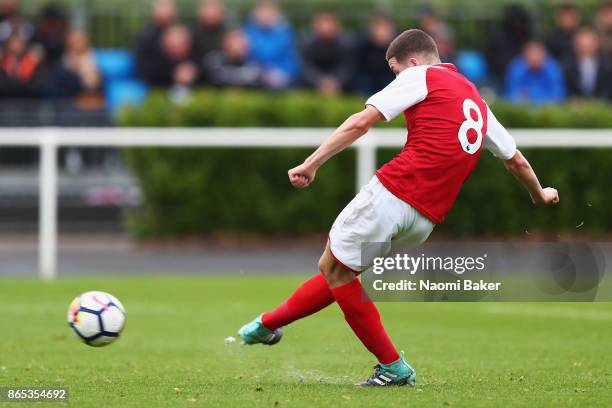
(412, 42)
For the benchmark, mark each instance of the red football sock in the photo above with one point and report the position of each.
(363, 317)
(312, 296)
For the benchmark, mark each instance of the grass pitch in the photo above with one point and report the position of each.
(172, 353)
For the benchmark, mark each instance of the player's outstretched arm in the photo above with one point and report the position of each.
(502, 145)
(522, 170)
(352, 129)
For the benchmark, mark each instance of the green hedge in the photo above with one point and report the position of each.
(194, 191)
(238, 108)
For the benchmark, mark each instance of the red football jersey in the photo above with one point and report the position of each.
(447, 123)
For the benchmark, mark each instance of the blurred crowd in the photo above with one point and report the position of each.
(263, 52)
(45, 57)
(574, 60)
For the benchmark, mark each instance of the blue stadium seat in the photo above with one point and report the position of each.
(115, 63)
(473, 65)
(122, 92)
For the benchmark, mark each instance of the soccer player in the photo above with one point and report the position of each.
(449, 124)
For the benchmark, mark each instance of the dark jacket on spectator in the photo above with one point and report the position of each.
(224, 72)
(373, 73)
(63, 82)
(166, 69)
(158, 70)
(323, 58)
(602, 83)
(50, 34)
(149, 55)
(206, 40)
(74, 75)
(507, 42)
(560, 44)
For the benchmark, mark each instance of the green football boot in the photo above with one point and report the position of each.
(256, 333)
(397, 373)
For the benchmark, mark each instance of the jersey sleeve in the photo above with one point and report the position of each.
(498, 140)
(408, 89)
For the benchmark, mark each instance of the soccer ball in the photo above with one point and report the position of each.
(97, 318)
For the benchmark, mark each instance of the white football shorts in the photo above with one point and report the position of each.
(375, 216)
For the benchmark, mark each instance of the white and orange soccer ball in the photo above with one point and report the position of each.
(97, 318)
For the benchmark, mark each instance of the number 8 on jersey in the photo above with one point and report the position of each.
(470, 106)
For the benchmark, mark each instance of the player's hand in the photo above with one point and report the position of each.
(549, 196)
(302, 176)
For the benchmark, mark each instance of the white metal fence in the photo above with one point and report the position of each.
(50, 139)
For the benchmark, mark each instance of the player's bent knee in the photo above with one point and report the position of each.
(336, 275)
(339, 276)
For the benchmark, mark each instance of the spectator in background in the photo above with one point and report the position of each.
(149, 47)
(272, 45)
(210, 29)
(327, 56)
(432, 24)
(76, 73)
(374, 73)
(12, 20)
(587, 73)
(230, 67)
(20, 67)
(603, 23)
(178, 66)
(560, 41)
(508, 41)
(535, 77)
(50, 32)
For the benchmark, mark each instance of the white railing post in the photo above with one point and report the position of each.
(47, 223)
(366, 162)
